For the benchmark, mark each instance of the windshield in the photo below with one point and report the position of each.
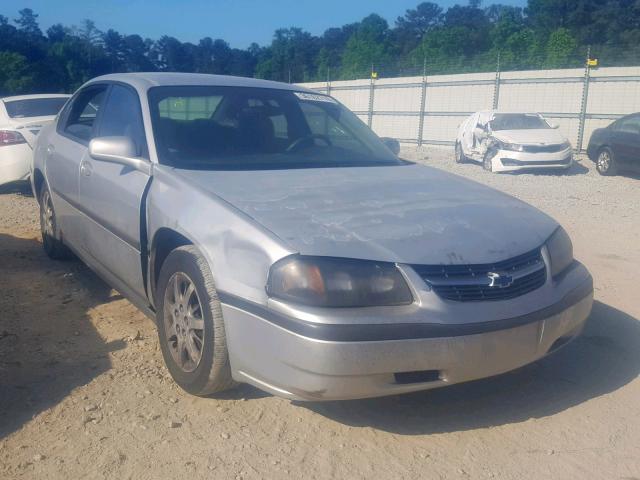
(35, 107)
(518, 121)
(242, 128)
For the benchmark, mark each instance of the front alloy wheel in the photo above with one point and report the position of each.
(487, 162)
(190, 324)
(184, 325)
(460, 157)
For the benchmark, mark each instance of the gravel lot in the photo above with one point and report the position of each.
(84, 393)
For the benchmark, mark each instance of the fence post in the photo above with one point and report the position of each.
(496, 86)
(372, 89)
(585, 98)
(423, 102)
(328, 89)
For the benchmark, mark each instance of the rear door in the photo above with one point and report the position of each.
(625, 141)
(65, 151)
(111, 194)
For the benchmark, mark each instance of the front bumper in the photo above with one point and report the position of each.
(510, 161)
(285, 362)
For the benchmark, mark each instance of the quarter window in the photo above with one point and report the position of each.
(83, 113)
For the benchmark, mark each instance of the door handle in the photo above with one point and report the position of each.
(86, 169)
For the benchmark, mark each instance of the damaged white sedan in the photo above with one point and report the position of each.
(505, 142)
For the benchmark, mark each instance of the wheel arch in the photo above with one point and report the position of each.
(165, 240)
(37, 183)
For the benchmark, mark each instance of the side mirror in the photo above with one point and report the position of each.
(120, 150)
(392, 144)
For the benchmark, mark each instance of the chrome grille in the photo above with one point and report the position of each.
(544, 148)
(473, 283)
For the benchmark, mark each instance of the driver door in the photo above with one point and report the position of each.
(111, 196)
(625, 141)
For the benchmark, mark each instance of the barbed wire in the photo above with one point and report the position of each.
(608, 55)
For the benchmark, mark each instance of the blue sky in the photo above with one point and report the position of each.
(240, 22)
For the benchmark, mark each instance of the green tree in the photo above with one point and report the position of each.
(14, 74)
(369, 45)
(290, 57)
(561, 50)
(415, 23)
(28, 22)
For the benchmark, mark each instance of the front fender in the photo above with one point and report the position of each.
(239, 250)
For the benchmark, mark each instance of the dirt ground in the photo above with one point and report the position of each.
(84, 393)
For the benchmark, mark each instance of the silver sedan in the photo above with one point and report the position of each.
(277, 241)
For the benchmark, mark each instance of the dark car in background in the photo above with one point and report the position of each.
(617, 147)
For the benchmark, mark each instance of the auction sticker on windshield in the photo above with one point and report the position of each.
(313, 97)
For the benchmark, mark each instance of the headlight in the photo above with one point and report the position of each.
(560, 251)
(514, 147)
(337, 282)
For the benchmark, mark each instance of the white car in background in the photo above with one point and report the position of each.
(21, 119)
(505, 142)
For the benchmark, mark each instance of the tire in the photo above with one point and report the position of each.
(487, 164)
(190, 324)
(459, 154)
(605, 162)
(51, 241)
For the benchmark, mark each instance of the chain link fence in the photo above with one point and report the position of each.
(424, 104)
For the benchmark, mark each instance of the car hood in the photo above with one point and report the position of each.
(547, 136)
(405, 214)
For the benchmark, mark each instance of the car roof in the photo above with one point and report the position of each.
(147, 80)
(492, 112)
(34, 97)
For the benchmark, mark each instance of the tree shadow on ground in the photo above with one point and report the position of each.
(605, 358)
(48, 346)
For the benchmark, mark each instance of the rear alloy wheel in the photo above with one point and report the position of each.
(460, 156)
(51, 243)
(605, 163)
(190, 324)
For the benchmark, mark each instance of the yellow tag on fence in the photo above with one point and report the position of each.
(374, 75)
(592, 62)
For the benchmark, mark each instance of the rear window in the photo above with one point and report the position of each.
(36, 107)
(189, 108)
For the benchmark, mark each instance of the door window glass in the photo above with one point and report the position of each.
(84, 112)
(629, 125)
(122, 117)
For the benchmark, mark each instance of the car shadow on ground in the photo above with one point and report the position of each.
(21, 188)
(48, 346)
(605, 358)
(576, 169)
